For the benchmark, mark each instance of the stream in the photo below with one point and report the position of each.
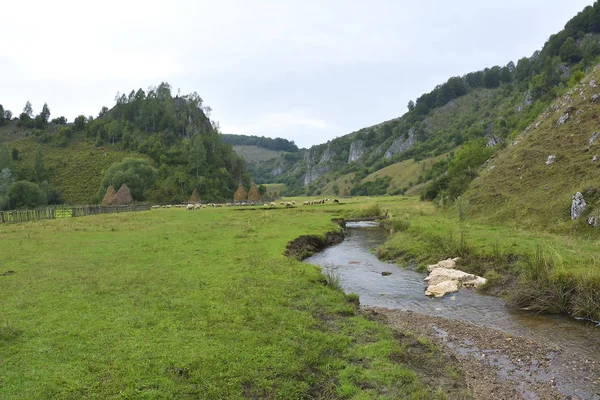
(360, 272)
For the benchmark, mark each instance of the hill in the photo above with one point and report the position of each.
(180, 148)
(534, 178)
(484, 108)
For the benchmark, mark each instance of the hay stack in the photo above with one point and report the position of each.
(254, 194)
(110, 194)
(123, 197)
(195, 197)
(240, 193)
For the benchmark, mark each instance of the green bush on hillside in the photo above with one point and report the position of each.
(136, 173)
(25, 194)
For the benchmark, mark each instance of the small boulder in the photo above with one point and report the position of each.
(595, 98)
(594, 159)
(551, 159)
(442, 288)
(439, 275)
(386, 273)
(475, 283)
(593, 84)
(578, 205)
(563, 119)
(594, 221)
(448, 263)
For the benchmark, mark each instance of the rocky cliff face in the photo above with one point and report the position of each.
(315, 170)
(401, 144)
(357, 149)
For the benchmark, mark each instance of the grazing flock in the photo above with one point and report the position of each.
(286, 204)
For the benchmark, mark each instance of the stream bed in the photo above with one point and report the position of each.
(360, 272)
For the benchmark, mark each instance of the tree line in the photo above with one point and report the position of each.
(276, 144)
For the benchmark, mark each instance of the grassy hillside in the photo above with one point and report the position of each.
(517, 186)
(76, 170)
(255, 154)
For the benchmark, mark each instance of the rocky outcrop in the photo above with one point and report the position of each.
(578, 205)
(443, 278)
(357, 149)
(493, 141)
(277, 171)
(563, 119)
(527, 101)
(401, 144)
(314, 169)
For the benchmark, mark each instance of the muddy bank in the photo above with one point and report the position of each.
(498, 365)
(307, 245)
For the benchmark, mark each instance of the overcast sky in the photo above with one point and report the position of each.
(306, 70)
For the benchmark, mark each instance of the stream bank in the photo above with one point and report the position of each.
(503, 353)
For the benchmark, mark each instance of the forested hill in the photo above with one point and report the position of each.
(460, 123)
(171, 146)
(276, 144)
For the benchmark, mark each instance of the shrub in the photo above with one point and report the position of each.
(25, 194)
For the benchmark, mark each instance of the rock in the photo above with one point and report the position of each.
(448, 263)
(593, 84)
(595, 98)
(563, 119)
(516, 142)
(493, 141)
(357, 149)
(442, 288)
(594, 159)
(491, 168)
(551, 159)
(386, 273)
(593, 138)
(594, 221)
(578, 205)
(475, 283)
(401, 144)
(579, 112)
(439, 275)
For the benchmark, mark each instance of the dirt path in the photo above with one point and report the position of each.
(501, 366)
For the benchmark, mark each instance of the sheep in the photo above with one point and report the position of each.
(197, 206)
(272, 204)
(190, 207)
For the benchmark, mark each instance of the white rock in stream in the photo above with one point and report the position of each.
(449, 263)
(442, 288)
(443, 278)
(439, 275)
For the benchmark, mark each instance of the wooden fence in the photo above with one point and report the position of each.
(65, 212)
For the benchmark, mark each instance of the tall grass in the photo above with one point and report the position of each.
(370, 210)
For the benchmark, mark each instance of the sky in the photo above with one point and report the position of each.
(307, 70)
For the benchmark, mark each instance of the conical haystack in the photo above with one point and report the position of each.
(110, 194)
(123, 197)
(240, 193)
(195, 197)
(254, 194)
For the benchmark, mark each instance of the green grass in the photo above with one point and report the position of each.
(177, 304)
(255, 154)
(549, 266)
(77, 169)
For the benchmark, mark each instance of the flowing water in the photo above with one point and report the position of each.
(360, 272)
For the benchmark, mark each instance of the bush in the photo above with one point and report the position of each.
(137, 173)
(25, 194)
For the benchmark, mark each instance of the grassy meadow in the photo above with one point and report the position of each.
(171, 303)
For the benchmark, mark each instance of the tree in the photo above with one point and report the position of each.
(25, 194)
(28, 109)
(570, 52)
(80, 122)
(39, 167)
(137, 173)
(262, 189)
(4, 156)
(196, 154)
(59, 121)
(1, 115)
(8, 114)
(411, 105)
(45, 114)
(6, 179)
